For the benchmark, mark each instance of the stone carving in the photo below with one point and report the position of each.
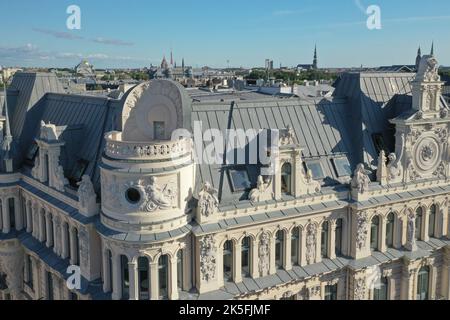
(60, 180)
(360, 289)
(413, 174)
(287, 136)
(207, 200)
(262, 191)
(312, 186)
(208, 256)
(440, 171)
(362, 229)
(444, 113)
(411, 231)
(86, 195)
(264, 249)
(428, 69)
(361, 180)
(382, 168)
(311, 234)
(158, 198)
(48, 132)
(394, 169)
(36, 171)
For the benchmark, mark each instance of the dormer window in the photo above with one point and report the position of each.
(316, 169)
(240, 180)
(286, 178)
(342, 167)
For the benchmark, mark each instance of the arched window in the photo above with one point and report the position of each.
(390, 223)
(423, 283)
(374, 228)
(245, 256)
(324, 240)
(125, 276)
(180, 272)
(295, 246)
(279, 245)
(380, 292)
(12, 213)
(144, 278)
(286, 178)
(419, 220)
(163, 278)
(338, 235)
(228, 260)
(432, 222)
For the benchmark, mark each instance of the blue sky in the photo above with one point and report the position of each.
(135, 33)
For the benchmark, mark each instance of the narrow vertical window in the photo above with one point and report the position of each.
(331, 292)
(423, 283)
(180, 272)
(295, 245)
(338, 240)
(324, 240)
(245, 257)
(390, 223)
(432, 221)
(144, 278)
(125, 277)
(279, 245)
(374, 229)
(228, 260)
(286, 179)
(419, 219)
(163, 277)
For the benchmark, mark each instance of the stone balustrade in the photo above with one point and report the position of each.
(158, 150)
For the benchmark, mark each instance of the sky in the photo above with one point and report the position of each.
(237, 33)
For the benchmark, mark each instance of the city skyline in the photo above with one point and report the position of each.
(135, 34)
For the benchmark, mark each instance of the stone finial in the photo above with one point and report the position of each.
(382, 173)
(361, 180)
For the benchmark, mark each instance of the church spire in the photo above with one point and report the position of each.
(315, 58)
(432, 49)
(418, 58)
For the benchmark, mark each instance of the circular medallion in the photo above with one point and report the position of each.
(427, 154)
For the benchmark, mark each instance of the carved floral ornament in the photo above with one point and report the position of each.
(362, 229)
(208, 257)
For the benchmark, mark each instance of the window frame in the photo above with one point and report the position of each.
(338, 172)
(319, 164)
(232, 182)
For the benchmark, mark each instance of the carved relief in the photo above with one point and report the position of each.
(60, 180)
(362, 229)
(262, 192)
(208, 256)
(264, 249)
(411, 231)
(86, 195)
(360, 289)
(361, 180)
(311, 234)
(287, 136)
(207, 200)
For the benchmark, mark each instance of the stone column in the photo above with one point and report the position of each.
(34, 212)
(287, 257)
(65, 241)
(409, 283)
(318, 257)
(332, 240)
(106, 269)
(173, 279)
(154, 281)
(48, 229)
(237, 262)
(6, 220)
(117, 278)
(73, 253)
(444, 220)
(133, 272)
(30, 225)
(382, 235)
(425, 225)
(41, 225)
(272, 265)
(254, 269)
(303, 261)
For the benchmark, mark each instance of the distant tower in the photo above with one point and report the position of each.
(315, 58)
(418, 58)
(182, 64)
(171, 57)
(432, 49)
